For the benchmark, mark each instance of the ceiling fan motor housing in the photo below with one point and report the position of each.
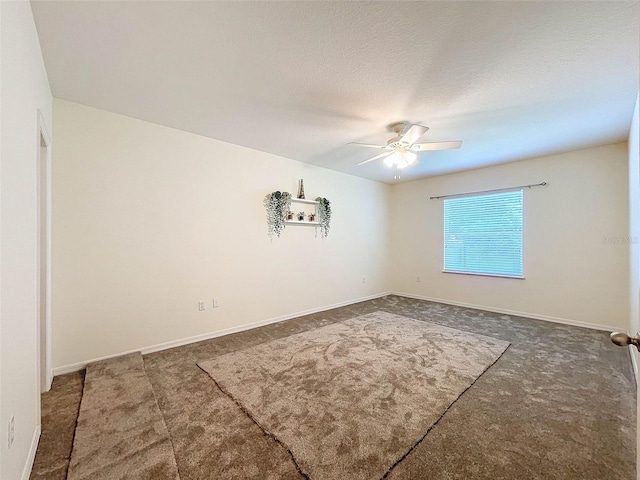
(398, 127)
(395, 142)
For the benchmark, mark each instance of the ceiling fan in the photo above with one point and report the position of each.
(400, 151)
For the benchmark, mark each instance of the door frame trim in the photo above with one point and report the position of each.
(45, 370)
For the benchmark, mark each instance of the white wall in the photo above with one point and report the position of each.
(575, 240)
(149, 220)
(634, 229)
(634, 253)
(25, 89)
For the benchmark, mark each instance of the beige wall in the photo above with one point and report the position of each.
(25, 90)
(149, 220)
(575, 239)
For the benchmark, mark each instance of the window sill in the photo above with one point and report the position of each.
(517, 277)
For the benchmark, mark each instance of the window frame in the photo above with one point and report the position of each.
(482, 274)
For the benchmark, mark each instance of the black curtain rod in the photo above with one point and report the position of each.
(508, 189)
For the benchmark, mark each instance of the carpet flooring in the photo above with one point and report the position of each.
(350, 399)
(60, 408)
(120, 431)
(558, 404)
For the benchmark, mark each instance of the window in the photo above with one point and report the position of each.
(483, 234)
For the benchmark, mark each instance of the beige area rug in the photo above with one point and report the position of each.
(120, 432)
(351, 399)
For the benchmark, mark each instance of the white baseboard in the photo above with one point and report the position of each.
(546, 318)
(219, 333)
(26, 471)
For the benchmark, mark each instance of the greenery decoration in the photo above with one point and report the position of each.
(324, 215)
(277, 205)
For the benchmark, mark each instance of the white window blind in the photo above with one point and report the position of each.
(483, 234)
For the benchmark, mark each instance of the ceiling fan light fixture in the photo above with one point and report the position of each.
(410, 157)
(392, 159)
(400, 159)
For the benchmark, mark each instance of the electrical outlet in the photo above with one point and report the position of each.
(216, 303)
(201, 306)
(11, 431)
(364, 279)
(418, 279)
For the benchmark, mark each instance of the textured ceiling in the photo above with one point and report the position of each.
(513, 80)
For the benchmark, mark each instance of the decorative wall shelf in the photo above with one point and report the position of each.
(303, 223)
(279, 204)
(304, 200)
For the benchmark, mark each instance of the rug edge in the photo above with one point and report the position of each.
(455, 400)
(257, 423)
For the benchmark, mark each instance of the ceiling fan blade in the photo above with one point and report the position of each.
(414, 133)
(366, 145)
(421, 147)
(384, 154)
